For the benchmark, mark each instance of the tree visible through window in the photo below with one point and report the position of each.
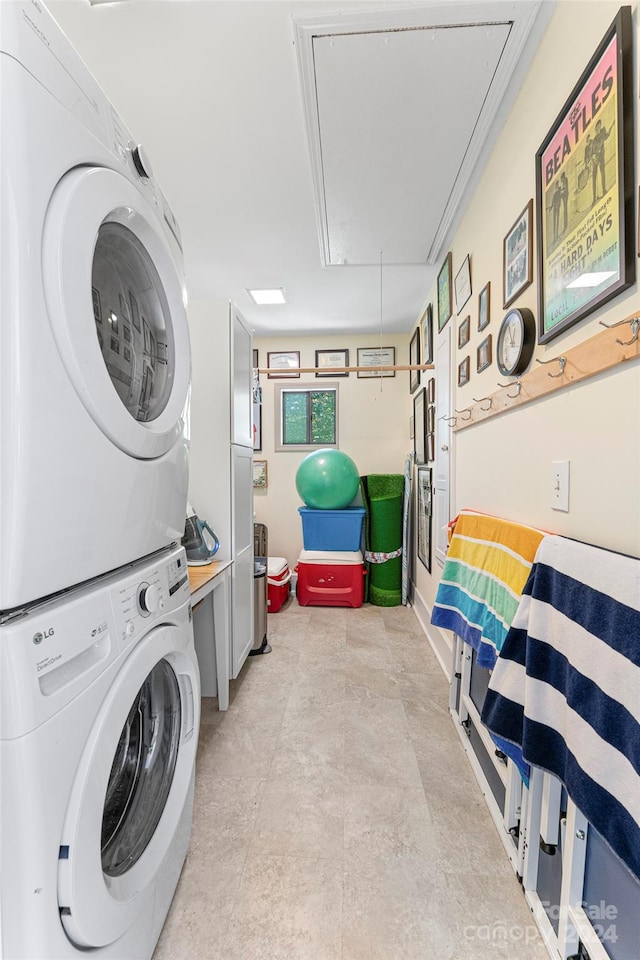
(308, 416)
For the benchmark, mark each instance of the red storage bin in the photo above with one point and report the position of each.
(278, 577)
(330, 578)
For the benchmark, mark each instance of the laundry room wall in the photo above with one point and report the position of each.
(503, 466)
(373, 429)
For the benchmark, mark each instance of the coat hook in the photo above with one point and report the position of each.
(516, 383)
(449, 419)
(561, 360)
(467, 411)
(635, 331)
(482, 399)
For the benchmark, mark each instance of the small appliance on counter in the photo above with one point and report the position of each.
(199, 540)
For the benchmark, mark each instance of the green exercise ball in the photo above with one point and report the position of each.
(327, 480)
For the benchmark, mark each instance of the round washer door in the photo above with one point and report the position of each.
(116, 306)
(128, 798)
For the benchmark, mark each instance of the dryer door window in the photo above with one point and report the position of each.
(132, 319)
(116, 305)
(142, 771)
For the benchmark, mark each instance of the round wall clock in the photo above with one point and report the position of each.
(516, 341)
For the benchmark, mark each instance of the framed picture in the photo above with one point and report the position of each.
(584, 169)
(463, 284)
(431, 447)
(423, 504)
(484, 354)
(445, 307)
(410, 428)
(431, 419)
(426, 335)
(414, 357)
(431, 390)
(464, 370)
(376, 357)
(464, 332)
(257, 426)
(484, 304)
(419, 426)
(255, 359)
(329, 359)
(517, 256)
(260, 474)
(284, 363)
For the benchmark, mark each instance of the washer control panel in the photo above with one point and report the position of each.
(151, 592)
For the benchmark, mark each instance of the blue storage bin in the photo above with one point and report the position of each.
(332, 529)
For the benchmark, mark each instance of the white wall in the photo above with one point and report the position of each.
(503, 465)
(373, 429)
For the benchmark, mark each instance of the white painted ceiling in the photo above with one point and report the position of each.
(289, 135)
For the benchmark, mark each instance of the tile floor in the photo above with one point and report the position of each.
(336, 815)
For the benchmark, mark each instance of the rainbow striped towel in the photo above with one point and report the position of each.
(487, 566)
(566, 686)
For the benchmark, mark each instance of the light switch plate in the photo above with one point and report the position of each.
(560, 485)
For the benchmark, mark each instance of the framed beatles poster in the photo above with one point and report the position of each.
(584, 189)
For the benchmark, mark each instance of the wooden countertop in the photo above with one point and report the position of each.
(200, 576)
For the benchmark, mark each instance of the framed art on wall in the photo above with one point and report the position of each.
(484, 305)
(431, 390)
(584, 171)
(419, 426)
(257, 426)
(414, 358)
(423, 505)
(445, 299)
(260, 474)
(517, 256)
(426, 335)
(464, 369)
(463, 284)
(376, 357)
(464, 332)
(329, 360)
(484, 354)
(284, 363)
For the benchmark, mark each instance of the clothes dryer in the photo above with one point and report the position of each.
(99, 715)
(94, 347)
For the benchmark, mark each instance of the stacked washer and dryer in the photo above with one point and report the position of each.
(99, 685)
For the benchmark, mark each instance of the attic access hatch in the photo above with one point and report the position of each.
(398, 106)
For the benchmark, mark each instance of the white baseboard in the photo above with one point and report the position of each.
(441, 643)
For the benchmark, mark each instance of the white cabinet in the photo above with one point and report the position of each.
(221, 452)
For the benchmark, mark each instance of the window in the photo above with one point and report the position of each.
(308, 416)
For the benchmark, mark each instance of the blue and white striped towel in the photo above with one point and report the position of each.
(566, 687)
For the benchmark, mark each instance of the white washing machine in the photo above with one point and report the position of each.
(99, 715)
(94, 346)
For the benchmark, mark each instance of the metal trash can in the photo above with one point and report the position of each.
(260, 643)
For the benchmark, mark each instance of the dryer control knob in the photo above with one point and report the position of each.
(150, 599)
(141, 161)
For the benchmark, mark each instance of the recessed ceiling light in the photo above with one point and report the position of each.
(262, 297)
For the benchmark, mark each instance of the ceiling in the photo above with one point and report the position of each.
(327, 148)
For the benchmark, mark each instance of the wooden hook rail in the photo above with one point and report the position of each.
(283, 372)
(601, 352)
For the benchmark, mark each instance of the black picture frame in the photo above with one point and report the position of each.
(585, 229)
(484, 354)
(414, 358)
(424, 503)
(464, 332)
(420, 425)
(426, 334)
(517, 257)
(445, 293)
(257, 426)
(464, 371)
(462, 284)
(331, 359)
(484, 306)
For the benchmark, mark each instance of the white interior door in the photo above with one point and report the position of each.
(242, 548)
(242, 367)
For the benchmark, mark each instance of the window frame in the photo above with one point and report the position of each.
(306, 387)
